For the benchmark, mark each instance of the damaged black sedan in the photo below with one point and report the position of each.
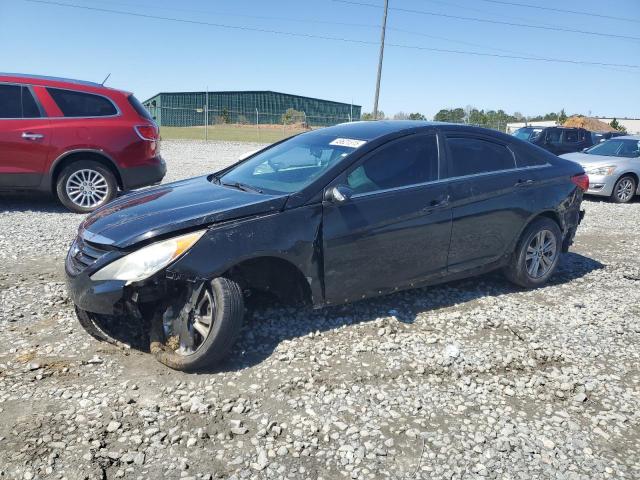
(327, 217)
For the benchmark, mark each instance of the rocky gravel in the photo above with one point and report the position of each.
(472, 379)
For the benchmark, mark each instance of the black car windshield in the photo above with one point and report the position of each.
(628, 148)
(291, 165)
(528, 134)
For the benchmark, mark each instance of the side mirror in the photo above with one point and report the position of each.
(585, 149)
(339, 194)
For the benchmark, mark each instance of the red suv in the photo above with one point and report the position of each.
(79, 140)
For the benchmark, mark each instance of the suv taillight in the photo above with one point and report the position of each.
(147, 132)
(582, 181)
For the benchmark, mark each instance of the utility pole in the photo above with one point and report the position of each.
(384, 28)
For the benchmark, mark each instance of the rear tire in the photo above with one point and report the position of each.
(536, 255)
(624, 189)
(227, 315)
(85, 185)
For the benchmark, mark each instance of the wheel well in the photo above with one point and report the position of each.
(77, 156)
(551, 216)
(630, 174)
(272, 275)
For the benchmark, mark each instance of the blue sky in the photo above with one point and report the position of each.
(147, 55)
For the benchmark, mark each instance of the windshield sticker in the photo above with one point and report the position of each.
(348, 142)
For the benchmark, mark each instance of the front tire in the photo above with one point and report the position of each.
(536, 255)
(624, 189)
(85, 185)
(218, 317)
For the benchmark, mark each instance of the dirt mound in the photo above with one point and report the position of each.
(591, 124)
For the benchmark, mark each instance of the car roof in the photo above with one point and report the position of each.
(369, 130)
(45, 80)
(628, 137)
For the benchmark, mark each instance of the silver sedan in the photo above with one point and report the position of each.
(613, 167)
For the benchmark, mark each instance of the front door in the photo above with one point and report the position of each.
(24, 138)
(394, 231)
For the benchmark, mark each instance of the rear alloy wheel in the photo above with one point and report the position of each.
(537, 254)
(204, 330)
(624, 190)
(86, 185)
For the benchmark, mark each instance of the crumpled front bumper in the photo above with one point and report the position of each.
(105, 297)
(108, 297)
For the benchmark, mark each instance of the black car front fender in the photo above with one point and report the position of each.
(292, 235)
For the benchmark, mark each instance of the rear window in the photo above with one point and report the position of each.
(138, 107)
(470, 156)
(17, 102)
(529, 156)
(82, 104)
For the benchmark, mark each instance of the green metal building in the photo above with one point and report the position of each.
(186, 109)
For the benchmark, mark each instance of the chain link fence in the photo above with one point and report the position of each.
(232, 125)
(250, 126)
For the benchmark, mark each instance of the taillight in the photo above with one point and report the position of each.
(147, 132)
(582, 181)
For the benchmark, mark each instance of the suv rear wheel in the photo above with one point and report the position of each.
(85, 185)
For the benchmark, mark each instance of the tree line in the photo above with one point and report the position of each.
(471, 115)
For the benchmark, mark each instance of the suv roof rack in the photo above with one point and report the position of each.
(53, 79)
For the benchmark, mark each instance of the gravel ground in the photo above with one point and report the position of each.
(471, 379)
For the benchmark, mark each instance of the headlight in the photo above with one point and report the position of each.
(601, 171)
(148, 260)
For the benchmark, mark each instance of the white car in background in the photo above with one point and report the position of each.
(613, 167)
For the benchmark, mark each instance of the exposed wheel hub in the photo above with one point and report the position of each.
(187, 331)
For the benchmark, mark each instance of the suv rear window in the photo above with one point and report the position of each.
(570, 136)
(81, 104)
(138, 107)
(17, 102)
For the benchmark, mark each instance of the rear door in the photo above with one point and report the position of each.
(24, 137)
(489, 197)
(394, 231)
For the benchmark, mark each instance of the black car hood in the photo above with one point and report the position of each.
(146, 214)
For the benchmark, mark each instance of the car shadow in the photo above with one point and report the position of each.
(271, 325)
(30, 202)
(27, 201)
(268, 324)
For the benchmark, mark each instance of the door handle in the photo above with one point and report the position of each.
(524, 183)
(436, 204)
(32, 136)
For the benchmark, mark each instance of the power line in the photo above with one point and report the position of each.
(326, 37)
(494, 22)
(561, 10)
(333, 22)
(346, 24)
(240, 15)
